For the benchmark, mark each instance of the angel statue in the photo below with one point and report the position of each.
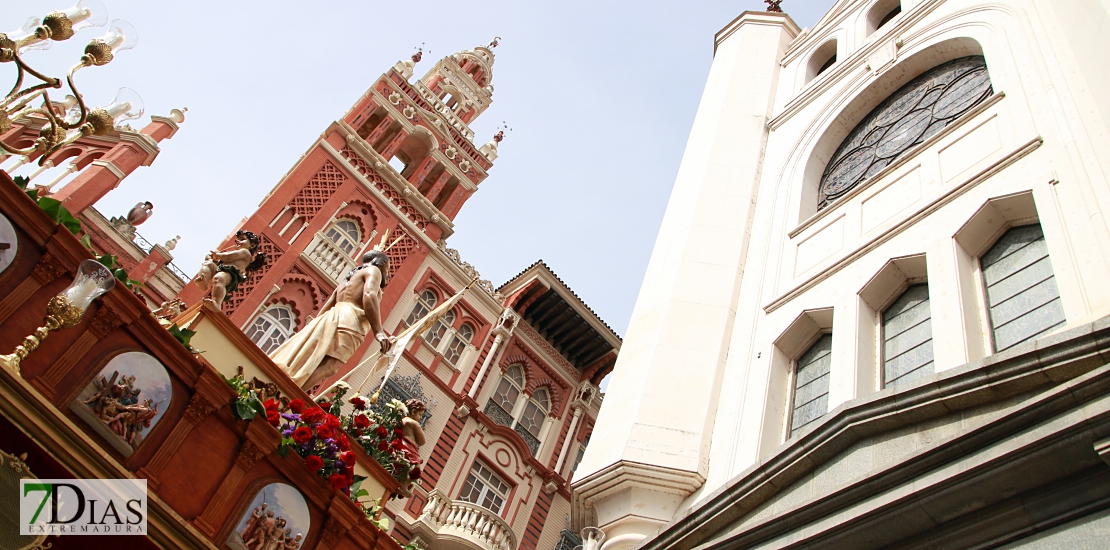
(223, 272)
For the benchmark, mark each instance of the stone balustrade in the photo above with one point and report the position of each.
(329, 258)
(469, 522)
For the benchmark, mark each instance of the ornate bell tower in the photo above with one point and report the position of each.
(402, 159)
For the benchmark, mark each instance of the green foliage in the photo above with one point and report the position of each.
(21, 182)
(184, 335)
(111, 261)
(247, 405)
(59, 213)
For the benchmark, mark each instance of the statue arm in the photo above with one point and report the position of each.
(371, 304)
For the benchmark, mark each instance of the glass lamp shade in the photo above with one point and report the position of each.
(127, 105)
(87, 14)
(28, 30)
(92, 281)
(592, 537)
(120, 36)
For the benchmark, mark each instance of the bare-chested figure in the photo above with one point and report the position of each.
(223, 272)
(329, 340)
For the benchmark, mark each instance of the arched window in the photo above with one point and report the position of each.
(881, 13)
(459, 341)
(1021, 288)
(811, 384)
(535, 411)
(346, 235)
(822, 58)
(908, 337)
(435, 334)
(424, 303)
(911, 115)
(272, 327)
(508, 390)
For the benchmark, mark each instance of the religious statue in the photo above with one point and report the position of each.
(329, 340)
(223, 272)
(168, 310)
(412, 437)
(261, 531)
(252, 523)
(139, 213)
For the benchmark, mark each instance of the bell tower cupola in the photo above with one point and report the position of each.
(464, 81)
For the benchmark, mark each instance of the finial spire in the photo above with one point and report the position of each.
(493, 43)
(773, 6)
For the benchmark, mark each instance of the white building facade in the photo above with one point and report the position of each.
(878, 288)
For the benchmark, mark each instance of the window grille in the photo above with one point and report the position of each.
(435, 334)
(272, 327)
(811, 384)
(908, 337)
(1022, 296)
(485, 488)
(345, 235)
(425, 303)
(458, 344)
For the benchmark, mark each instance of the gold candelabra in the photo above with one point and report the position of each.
(64, 310)
(61, 129)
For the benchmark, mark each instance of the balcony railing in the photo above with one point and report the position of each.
(462, 520)
(329, 258)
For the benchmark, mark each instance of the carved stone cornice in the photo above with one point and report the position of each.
(333, 532)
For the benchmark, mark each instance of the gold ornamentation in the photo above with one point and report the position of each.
(57, 25)
(5, 119)
(15, 468)
(99, 52)
(99, 122)
(59, 314)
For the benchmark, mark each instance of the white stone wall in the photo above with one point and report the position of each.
(745, 270)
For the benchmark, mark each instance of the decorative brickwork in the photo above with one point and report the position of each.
(385, 188)
(532, 533)
(318, 190)
(401, 250)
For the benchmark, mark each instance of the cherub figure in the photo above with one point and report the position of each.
(413, 438)
(223, 272)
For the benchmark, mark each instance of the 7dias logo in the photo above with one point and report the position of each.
(82, 507)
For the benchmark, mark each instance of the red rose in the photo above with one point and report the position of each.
(312, 415)
(331, 421)
(338, 482)
(302, 435)
(382, 431)
(398, 431)
(361, 421)
(296, 405)
(342, 442)
(397, 444)
(324, 432)
(358, 432)
(414, 473)
(273, 417)
(358, 402)
(348, 458)
(271, 405)
(383, 446)
(313, 463)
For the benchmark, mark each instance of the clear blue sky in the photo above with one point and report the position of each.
(600, 96)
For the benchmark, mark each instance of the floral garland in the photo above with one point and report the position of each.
(322, 435)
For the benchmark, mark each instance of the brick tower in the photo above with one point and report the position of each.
(401, 159)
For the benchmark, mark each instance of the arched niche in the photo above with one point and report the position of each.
(125, 400)
(862, 103)
(9, 244)
(277, 512)
(822, 59)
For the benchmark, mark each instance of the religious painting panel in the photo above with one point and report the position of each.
(277, 518)
(124, 401)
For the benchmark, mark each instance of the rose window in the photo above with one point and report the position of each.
(913, 114)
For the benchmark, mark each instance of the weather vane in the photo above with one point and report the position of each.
(493, 43)
(773, 6)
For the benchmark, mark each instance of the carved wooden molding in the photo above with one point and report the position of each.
(48, 269)
(198, 408)
(249, 454)
(104, 322)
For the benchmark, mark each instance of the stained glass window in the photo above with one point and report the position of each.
(1021, 288)
(908, 337)
(811, 384)
(911, 115)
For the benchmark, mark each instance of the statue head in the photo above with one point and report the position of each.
(416, 407)
(250, 241)
(270, 514)
(378, 259)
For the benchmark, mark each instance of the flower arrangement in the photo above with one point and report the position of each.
(316, 433)
(246, 404)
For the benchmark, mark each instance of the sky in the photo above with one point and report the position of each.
(599, 96)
